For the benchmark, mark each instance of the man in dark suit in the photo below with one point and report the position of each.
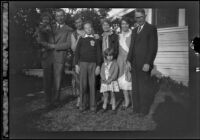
(56, 44)
(140, 61)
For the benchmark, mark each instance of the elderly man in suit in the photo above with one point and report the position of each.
(57, 41)
(140, 61)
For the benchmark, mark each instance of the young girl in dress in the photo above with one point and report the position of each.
(109, 75)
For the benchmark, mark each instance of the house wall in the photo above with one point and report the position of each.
(172, 57)
(173, 52)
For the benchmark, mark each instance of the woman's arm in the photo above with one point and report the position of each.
(102, 73)
(77, 51)
(116, 44)
(65, 45)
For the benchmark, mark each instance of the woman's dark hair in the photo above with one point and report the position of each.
(108, 52)
(106, 21)
(46, 14)
(127, 20)
(78, 17)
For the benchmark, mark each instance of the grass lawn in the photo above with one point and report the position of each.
(28, 114)
(35, 116)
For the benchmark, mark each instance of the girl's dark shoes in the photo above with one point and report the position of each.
(124, 108)
(103, 111)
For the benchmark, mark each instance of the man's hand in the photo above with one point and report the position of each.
(51, 46)
(146, 67)
(45, 44)
(96, 36)
(97, 71)
(77, 69)
(103, 80)
(128, 66)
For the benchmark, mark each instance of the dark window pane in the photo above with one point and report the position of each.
(166, 18)
(186, 17)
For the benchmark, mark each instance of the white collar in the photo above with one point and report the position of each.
(61, 25)
(141, 26)
(86, 35)
(108, 63)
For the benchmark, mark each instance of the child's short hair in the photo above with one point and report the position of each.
(88, 22)
(108, 52)
(106, 21)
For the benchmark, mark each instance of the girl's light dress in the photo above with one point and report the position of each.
(113, 86)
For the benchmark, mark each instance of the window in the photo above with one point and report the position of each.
(165, 17)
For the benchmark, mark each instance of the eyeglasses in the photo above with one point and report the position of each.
(139, 17)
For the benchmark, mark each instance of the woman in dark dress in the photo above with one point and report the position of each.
(109, 38)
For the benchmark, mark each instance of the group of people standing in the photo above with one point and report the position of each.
(124, 61)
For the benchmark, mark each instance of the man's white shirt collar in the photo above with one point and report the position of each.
(142, 26)
(86, 35)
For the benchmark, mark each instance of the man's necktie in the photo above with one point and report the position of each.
(139, 29)
(59, 26)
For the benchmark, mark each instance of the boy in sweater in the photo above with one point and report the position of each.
(87, 64)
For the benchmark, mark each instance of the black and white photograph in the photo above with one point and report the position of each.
(100, 69)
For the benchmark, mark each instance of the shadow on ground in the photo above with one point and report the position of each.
(28, 114)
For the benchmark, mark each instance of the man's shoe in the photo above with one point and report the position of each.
(76, 107)
(142, 115)
(49, 106)
(135, 112)
(82, 111)
(93, 111)
(124, 108)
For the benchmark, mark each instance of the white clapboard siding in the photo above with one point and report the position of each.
(172, 57)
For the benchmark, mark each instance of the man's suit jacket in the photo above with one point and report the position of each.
(143, 47)
(62, 40)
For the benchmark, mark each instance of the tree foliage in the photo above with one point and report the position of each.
(23, 22)
(27, 19)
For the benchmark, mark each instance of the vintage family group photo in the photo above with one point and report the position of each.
(99, 69)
